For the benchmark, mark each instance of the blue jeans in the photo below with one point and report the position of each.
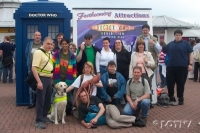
(8, 71)
(32, 96)
(103, 69)
(162, 78)
(144, 105)
(156, 75)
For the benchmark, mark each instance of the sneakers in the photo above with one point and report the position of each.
(31, 106)
(172, 101)
(47, 120)
(40, 125)
(139, 122)
(180, 101)
(144, 119)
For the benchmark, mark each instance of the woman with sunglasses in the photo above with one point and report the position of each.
(123, 58)
(103, 57)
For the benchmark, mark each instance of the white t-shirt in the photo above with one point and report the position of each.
(103, 58)
(33, 50)
(85, 78)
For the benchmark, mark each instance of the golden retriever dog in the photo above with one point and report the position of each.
(59, 103)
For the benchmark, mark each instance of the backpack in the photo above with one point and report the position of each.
(163, 99)
(132, 79)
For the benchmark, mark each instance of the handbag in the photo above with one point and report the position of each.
(7, 61)
(30, 79)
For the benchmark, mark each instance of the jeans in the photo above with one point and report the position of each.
(144, 105)
(32, 94)
(8, 71)
(162, 78)
(156, 75)
(103, 69)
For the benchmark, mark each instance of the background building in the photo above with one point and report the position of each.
(164, 27)
(7, 23)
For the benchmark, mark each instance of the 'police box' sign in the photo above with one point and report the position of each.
(42, 15)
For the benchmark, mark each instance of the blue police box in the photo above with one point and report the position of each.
(49, 18)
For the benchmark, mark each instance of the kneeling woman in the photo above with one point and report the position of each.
(88, 74)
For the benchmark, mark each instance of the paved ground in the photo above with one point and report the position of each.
(185, 118)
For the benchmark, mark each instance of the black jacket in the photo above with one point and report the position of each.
(83, 60)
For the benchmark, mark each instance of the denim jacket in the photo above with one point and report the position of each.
(28, 54)
(121, 83)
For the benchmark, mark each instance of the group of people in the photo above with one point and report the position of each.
(126, 78)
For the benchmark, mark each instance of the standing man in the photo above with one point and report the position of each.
(86, 52)
(31, 47)
(42, 59)
(6, 51)
(59, 37)
(196, 61)
(180, 62)
(151, 43)
(137, 95)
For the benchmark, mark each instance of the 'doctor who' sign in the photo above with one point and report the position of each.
(42, 15)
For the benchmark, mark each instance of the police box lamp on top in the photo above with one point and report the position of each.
(88, 36)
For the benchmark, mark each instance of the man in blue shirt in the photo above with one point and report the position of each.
(180, 62)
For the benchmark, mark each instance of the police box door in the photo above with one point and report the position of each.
(47, 27)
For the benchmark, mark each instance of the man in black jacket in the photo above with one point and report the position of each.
(86, 52)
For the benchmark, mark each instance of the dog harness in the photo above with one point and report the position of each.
(58, 99)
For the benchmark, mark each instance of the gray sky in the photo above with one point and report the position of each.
(185, 10)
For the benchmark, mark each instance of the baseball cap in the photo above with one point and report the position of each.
(88, 36)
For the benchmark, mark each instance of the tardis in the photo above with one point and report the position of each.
(49, 18)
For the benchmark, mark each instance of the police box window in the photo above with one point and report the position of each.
(31, 29)
(53, 30)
